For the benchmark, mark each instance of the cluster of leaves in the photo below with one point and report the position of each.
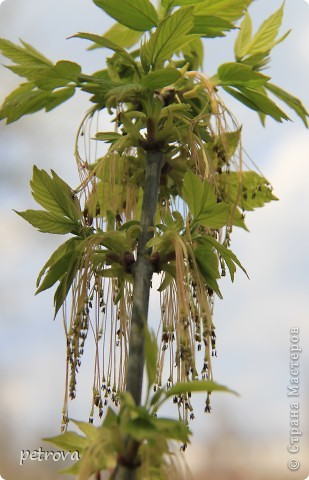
(177, 31)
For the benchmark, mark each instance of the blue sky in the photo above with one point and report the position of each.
(253, 320)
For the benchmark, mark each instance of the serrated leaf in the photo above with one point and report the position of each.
(59, 75)
(228, 256)
(27, 99)
(202, 202)
(108, 137)
(208, 265)
(193, 193)
(230, 10)
(265, 38)
(237, 74)
(214, 216)
(250, 191)
(25, 55)
(243, 38)
(67, 246)
(87, 428)
(47, 222)
(67, 280)
(104, 42)
(54, 194)
(22, 101)
(168, 37)
(210, 26)
(160, 78)
(138, 14)
(291, 101)
(69, 441)
(258, 101)
(123, 36)
(59, 96)
(56, 271)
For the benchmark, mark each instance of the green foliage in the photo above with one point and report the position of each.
(235, 74)
(138, 15)
(63, 213)
(104, 42)
(170, 36)
(202, 201)
(265, 38)
(44, 81)
(123, 36)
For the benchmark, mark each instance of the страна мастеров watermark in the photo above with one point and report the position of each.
(294, 393)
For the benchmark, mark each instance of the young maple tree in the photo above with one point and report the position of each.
(159, 203)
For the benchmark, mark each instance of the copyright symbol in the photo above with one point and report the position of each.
(293, 464)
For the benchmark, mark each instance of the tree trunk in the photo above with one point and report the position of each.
(142, 275)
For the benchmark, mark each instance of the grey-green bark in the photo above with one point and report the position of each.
(142, 275)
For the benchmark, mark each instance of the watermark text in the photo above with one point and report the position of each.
(40, 455)
(294, 394)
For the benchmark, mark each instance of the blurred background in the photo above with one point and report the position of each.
(244, 437)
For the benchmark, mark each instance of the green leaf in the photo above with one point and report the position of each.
(104, 42)
(291, 101)
(87, 428)
(59, 96)
(151, 352)
(125, 92)
(26, 99)
(108, 137)
(69, 441)
(193, 193)
(214, 216)
(168, 37)
(160, 78)
(47, 222)
(54, 194)
(123, 36)
(250, 190)
(194, 52)
(230, 10)
(243, 38)
(202, 202)
(25, 55)
(22, 101)
(67, 280)
(138, 14)
(59, 75)
(208, 264)
(258, 101)
(237, 74)
(265, 38)
(57, 270)
(68, 246)
(210, 26)
(197, 386)
(228, 256)
(73, 469)
(140, 429)
(173, 429)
